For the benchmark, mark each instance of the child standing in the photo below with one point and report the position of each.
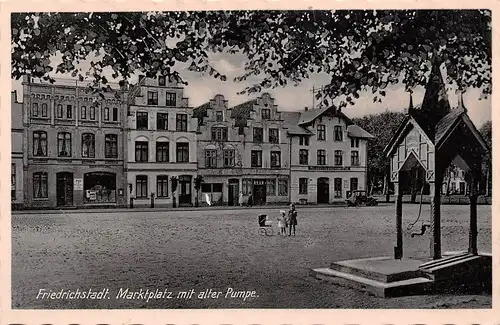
(282, 223)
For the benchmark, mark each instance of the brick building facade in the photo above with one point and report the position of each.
(73, 142)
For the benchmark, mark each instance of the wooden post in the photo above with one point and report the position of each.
(435, 227)
(473, 216)
(398, 250)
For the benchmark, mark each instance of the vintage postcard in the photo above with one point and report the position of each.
(248, 163)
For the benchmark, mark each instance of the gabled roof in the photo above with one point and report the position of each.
(241, 112)
(356, 131)
(290, 120)
(447, 124)
(201, 111)
(309, 116)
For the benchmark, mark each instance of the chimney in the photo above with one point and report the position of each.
(305, 109)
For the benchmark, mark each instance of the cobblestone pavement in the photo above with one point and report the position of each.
(201, 250)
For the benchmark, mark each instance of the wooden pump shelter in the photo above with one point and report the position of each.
(430, 138)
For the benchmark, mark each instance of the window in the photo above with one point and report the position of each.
(40, 186)
(247, 186)
(338, 158)
(115, 114)
(229, 157)
(69, 111)
(211, 158)
(141, 186)
(218, 116)
(44, 110)
(141, 151)
(88, 145)
(83, 113)
(162, 121)
(338, 133)
(337, 187)
(40, 143)
(274, 136)
(219, 134)
(275, 159)
(303, 140)
(181, 124)
(303, 157)
(206, 187)
(266, 114)
(282, 187)
(354, 184)
(303, 185)
(64, 144)
(256, 158)
(111, 146)
(142, 120)
(182, 152)
(34, 109)
(271, 187)
(354, 158)
(258, 134)
(106, 113)
(161, 81)
(354, 142)
(59, 111)
(170, 99)
(13, 181)
(152, 98)
(162, 186)
(92, 112)
(162, 151)
(321, 132)
(321, 158)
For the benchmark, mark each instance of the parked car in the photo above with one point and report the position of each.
(359, 198)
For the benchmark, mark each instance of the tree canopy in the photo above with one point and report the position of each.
(359, 50)
(382, 126)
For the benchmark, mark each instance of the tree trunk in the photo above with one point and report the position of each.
(386, 187)
(372, 185)
(487, 194)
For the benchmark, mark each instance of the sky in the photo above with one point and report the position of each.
(201, 88)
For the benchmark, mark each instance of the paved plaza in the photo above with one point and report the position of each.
(221, 249)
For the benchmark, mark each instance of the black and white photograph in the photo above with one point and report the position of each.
(251, 159)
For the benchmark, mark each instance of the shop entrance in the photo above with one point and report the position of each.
(99, 187)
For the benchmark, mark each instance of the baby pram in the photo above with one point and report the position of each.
(265, 226)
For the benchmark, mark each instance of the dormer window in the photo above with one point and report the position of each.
(218, 116)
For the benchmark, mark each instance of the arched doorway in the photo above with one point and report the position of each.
(323, 190)
(64, 188)
(99, 187)
(185, 190)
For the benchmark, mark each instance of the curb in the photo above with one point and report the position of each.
(159, 209)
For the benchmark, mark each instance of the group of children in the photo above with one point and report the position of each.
(289, 221)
